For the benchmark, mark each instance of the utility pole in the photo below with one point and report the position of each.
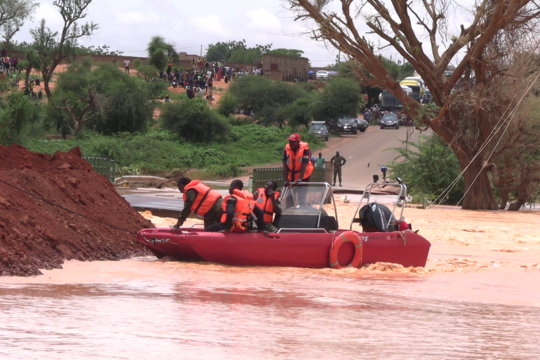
(201, 50)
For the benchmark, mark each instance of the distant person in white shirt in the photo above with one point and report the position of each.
(126, 65)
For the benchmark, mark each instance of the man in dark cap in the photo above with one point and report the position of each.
(201, 200)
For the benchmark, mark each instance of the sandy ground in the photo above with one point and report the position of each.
(462, 240)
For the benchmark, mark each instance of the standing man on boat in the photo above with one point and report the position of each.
(296, 159)
(201, 200)
(266, 200)
(337, 162)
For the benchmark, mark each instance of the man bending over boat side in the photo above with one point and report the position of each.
(238, 210)
(266, 199)
(201, 200)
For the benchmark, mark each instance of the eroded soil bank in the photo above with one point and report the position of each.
(35, 234)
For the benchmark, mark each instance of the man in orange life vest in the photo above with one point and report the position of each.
(266, 199)
(296, 161)
(201, 200)
(238, 210)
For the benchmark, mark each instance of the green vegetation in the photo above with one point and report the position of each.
(161, 152)
(104, 98)
(160, 52)
(238, 52)
(428, 167)
(192, 120)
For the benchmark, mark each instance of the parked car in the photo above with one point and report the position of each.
(362, 124)
(389, 120)
(347, 124)
(322, 74)
(319, 129)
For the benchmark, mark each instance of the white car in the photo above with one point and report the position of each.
(322, 74)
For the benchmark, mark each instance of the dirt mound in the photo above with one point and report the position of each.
(34, 234)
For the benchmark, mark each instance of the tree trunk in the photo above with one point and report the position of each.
(480, 195)
(522, 199)
(46, 79)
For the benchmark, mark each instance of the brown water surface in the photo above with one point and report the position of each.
(142, 308)
(477, 298)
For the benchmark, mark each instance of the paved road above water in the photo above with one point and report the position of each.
(367, 152)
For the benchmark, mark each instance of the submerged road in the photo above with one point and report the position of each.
(366, 153)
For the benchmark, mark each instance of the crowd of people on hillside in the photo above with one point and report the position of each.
(199, 80)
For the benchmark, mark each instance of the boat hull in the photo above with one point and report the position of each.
(306, 250)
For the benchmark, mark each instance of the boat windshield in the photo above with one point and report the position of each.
(305, 196)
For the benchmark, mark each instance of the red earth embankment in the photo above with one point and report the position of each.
(35, 234)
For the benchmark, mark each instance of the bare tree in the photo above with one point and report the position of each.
(55, 47)
(396, 24)
(13, 13)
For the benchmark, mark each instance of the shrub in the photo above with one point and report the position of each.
(137, 63)
(228, 104)
(428, 167)
(193, 120)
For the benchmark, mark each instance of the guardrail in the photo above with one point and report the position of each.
(263, 175)
(103, 166)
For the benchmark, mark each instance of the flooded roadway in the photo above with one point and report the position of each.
(142, 308)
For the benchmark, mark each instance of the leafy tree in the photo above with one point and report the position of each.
(427, 167)
(13, 13)
(228, 103)
(341, 97)
(15, 113)
(104, 98)
(33, 61)
(193, 120)
(160, 52)
(236, 52)
(264, 97)
(482, 50)
(221, 51)
(299, 112)
(286, 52)
(54, 47)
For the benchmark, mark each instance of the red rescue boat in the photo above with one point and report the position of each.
(308, 237)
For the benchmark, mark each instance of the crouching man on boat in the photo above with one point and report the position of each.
(266, 199)
(238, 211)
(296, 159)
(201, 200)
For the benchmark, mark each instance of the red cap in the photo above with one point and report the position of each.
(294, 137)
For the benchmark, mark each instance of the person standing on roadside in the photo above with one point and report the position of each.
(126, 65)
(320, 162)
(201, 200)
(337, 161)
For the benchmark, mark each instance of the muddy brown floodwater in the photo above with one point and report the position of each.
(478, 298)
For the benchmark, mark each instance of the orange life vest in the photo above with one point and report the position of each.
(295, 161)
(265, 204)
(244, 208)
(206, 197)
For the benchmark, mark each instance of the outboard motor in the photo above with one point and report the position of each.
(375, 217)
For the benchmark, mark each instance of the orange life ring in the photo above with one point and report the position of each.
(348, 236)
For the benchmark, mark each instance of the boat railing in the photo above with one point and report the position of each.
(401, 199)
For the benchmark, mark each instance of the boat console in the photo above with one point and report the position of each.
(307, 206)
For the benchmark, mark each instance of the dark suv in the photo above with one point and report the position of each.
(347, 125)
